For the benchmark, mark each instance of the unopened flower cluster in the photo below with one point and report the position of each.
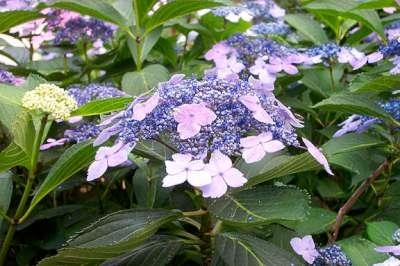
(50, 99)
(206, 121)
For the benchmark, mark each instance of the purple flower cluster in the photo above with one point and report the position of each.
(360, 123)
(89, 29)
(202, 117)
(270, 28)
(93, 91)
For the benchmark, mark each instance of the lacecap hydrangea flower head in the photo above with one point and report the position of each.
(206, 122)
(50, 99)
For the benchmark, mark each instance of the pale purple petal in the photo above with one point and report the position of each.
(215, 189)
(188, 130)
(254, 154)
(249, 142)
(392, 261)
(74, 119)
(389, 249)
(196, 165)
(120, 156)
(172, 180)
(182, 158)
(318, 155)
(375, 57)
(140, 110)
(199, 178)
(234, 178)
(273, 146)
(262, 116)
(96, 169)
(52, 143)
(219, 163)
(305, 247)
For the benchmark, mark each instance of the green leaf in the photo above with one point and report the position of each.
(116, 229)
(23, 131)
(6, 189)
(368, 83)
(347, 9)
(13, 156)
(353, 103)
(275, 165)
(317, 221)
(260, 205)
(246, 250)
(142, 8)
(138, 82)
(176, 9)
(10, 104)
(319, 79)
(146, 183)
(350, 142)
(153, 253)
(74, 159)
(307, 26)
(381, 232)
(147, 44)
(99, 9)
(329, 188)
(361, 251)
(376, 4)
(102, 106)
(13, 18)
(153, 150)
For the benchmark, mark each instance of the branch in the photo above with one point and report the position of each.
(353, 199)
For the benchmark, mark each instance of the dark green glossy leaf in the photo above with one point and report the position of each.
(350, 142)
(6, 189)
(317, 221)
(246, 250)
(361, 251)
(307, 26)
(366, 83)
(260, 205)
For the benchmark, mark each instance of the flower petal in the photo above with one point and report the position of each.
(318, 155)
(199, 178)
(219, 163)
(273, 146)
(389, 249)
(254, 154)
(96, 170)
(188, 130)
(172, 180)
(234, 178)
(216, 189)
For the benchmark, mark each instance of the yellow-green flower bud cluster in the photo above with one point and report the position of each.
(51, 99)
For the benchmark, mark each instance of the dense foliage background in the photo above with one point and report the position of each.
(259, 77)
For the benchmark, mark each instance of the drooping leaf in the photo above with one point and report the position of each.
(99, 9)
(353, 103)
(176, 9)
(307, 26)
(368, 83)
(16, 17)
(381, 232)
(261, 204)
(6, 189)
(138, 82)
(246, 250)
(74, 159)
(361, 251)
(102, 106)
(153, 253)
(274, 166)
(23, 131)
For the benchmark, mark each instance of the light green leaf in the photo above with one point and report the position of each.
(347, 9)
(275, 165)
(350, 142)
(381, 232)
(353, 103)
(246, 250)
(74, 159)
(16, 17)
(23, 131)
(13, 156)
(176, 9)
(99, 9)
(307, 26)
(142, 8)
(102, 106)
(361, 251)
(138, 82)
(153, 253)
(6, 189)
(147, 44)
(368, 83)
(376, 4)
(261, 205)
(10, 104)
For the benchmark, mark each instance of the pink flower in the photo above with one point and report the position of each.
(52, 143)
(260, 68)
(140, 110)
(352, 56)
(229, 68)
(318, 155)
(191, 117)
(277, 65)
(389, 10)
(276, 12)
(182, 169)
(305, 247)
(108, 157)
(261, 87)
(253, 104)
(223, 175)
(217, 52)
(255, 147)
(374, 57)
(389, 249)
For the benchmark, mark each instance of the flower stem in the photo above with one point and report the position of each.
(25, 196)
